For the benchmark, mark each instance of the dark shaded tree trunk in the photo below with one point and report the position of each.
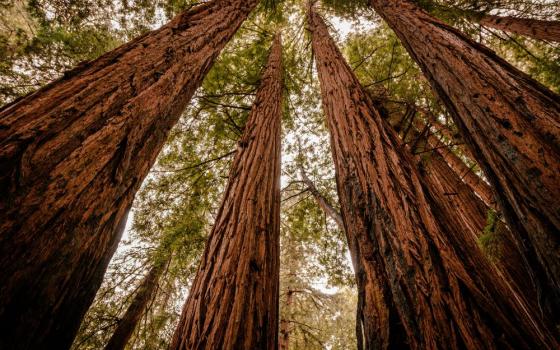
(465, 173)
(144, 294)
(443, 130)
(447, 174)
(428, 286)
(459, 200)
(509, 121)
(72, 156)
(481, 188)
(532, 28)
(285, 330)
(233, 303)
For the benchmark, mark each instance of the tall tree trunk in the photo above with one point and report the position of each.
(465, 173)
(529, 27)
(144, 294)
(532, 28)
(72, 156)
(460, 201)
(444, 131)
(233, 303)
(285, 324)
(428, 286)
(510, 122)
(445, 172)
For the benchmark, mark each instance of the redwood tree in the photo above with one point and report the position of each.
(137, 307)
(548, 30)
(465, 173)
(481, 188)
(428, 286)
(457, 198)
(72, 156)
(532, 28)
(465, 195)
(511, 124)
(233, 302)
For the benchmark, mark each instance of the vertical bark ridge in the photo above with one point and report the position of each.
(428, 286)
(477, 184)
(233, 303)
(460, 200)
(511, 124)
(72, 156)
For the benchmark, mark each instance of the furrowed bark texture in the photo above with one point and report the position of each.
(144, 294)
(510, 122)
(457, 199)
(447, 174)
(428, 286)
(72, 156)
(233, 303)
(532, 28)
(466, 174)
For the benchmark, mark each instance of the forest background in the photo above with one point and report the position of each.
(42, 39)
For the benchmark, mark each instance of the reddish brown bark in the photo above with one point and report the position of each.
(284, 343)
(72, 156)
(511, 124)
(233, 303)
(465, 173)
(458, 199)
(428, 286)
(129, 321)
(446, 173)
(532, 28)
(443, 171)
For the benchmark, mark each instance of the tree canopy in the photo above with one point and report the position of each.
(172, 214)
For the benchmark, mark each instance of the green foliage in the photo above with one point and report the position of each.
(40, 40)
(177, 204)
(489, 240)
(345, 8)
